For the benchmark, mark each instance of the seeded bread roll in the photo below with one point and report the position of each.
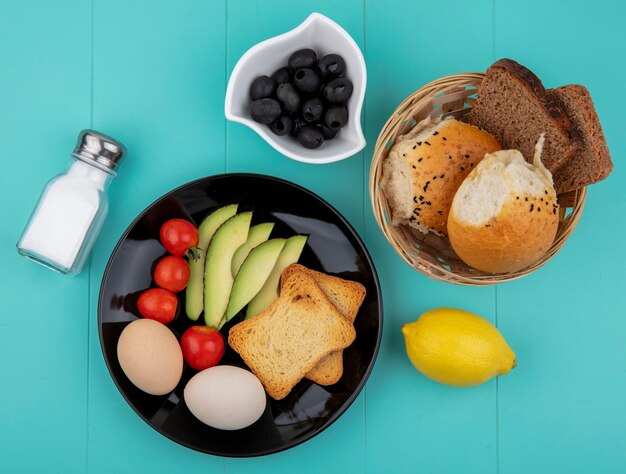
(425, 168)
(505, 214)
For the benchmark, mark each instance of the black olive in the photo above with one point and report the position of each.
(289, 97)
(331, 65)
(262, 87)
(282, 126)
(310, 137)
(306, 80)
(328, 133)
(281, 75)
(265, 110)
(336, 117)
(312, 110)
(302, 58)
(297, 124)
(338, 90)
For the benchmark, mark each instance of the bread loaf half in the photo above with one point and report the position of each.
(505, 214)
(425, 168)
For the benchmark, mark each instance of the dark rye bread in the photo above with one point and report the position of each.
(513, 105)
(592, 162)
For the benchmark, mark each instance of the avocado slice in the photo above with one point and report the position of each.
(194, 291)
(253, 274)
(289, 254)
(218, 278)
(258, 234)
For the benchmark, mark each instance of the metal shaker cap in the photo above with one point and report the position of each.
(93, 146)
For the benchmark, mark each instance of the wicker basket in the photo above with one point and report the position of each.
(430, 254)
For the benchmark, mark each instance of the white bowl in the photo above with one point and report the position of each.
(324, 36)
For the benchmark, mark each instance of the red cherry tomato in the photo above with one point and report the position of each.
(158, 304)
(203, 347)
(178, 236)
(172, 273)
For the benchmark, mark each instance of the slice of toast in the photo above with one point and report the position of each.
(592, 162)
(285, 341)
(347, 296)
(513, 105)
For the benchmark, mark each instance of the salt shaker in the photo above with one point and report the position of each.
(73, 206)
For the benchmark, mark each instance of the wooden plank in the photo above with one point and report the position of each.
(45, 102)
(340, 183)
(158, 87)
(563, 410)
(413, 424)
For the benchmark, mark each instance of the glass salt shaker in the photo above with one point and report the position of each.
(70, 212)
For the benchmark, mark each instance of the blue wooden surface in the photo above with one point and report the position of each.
(153, 74)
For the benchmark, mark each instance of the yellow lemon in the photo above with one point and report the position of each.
(456, 347)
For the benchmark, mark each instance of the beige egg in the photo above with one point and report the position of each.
(150, 356)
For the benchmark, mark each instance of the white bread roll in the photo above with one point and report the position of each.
(505, 214)
(425, 168)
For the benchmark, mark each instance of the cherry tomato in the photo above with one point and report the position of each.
(158, 304)
(203, 347)
(178, 236)
(172, 273)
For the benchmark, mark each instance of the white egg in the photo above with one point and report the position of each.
(225, 397)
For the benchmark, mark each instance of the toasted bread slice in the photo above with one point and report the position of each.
(285, 341)
(347, 296)
(513, 105)
(592, 163)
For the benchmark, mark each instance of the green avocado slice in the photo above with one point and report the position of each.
(218, 278)
(289, 254)
(194, 292)
(258, 234)
(253, 273)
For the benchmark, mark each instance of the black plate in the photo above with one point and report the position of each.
(333, 247)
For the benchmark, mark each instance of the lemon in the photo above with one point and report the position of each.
(456, 347)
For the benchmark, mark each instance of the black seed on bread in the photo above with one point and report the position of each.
(513, 105)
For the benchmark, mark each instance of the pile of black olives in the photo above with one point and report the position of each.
(307, 99)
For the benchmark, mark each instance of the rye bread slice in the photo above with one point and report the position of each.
(347, 296)
(513, 105)
(592, 162)
(286, 340)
